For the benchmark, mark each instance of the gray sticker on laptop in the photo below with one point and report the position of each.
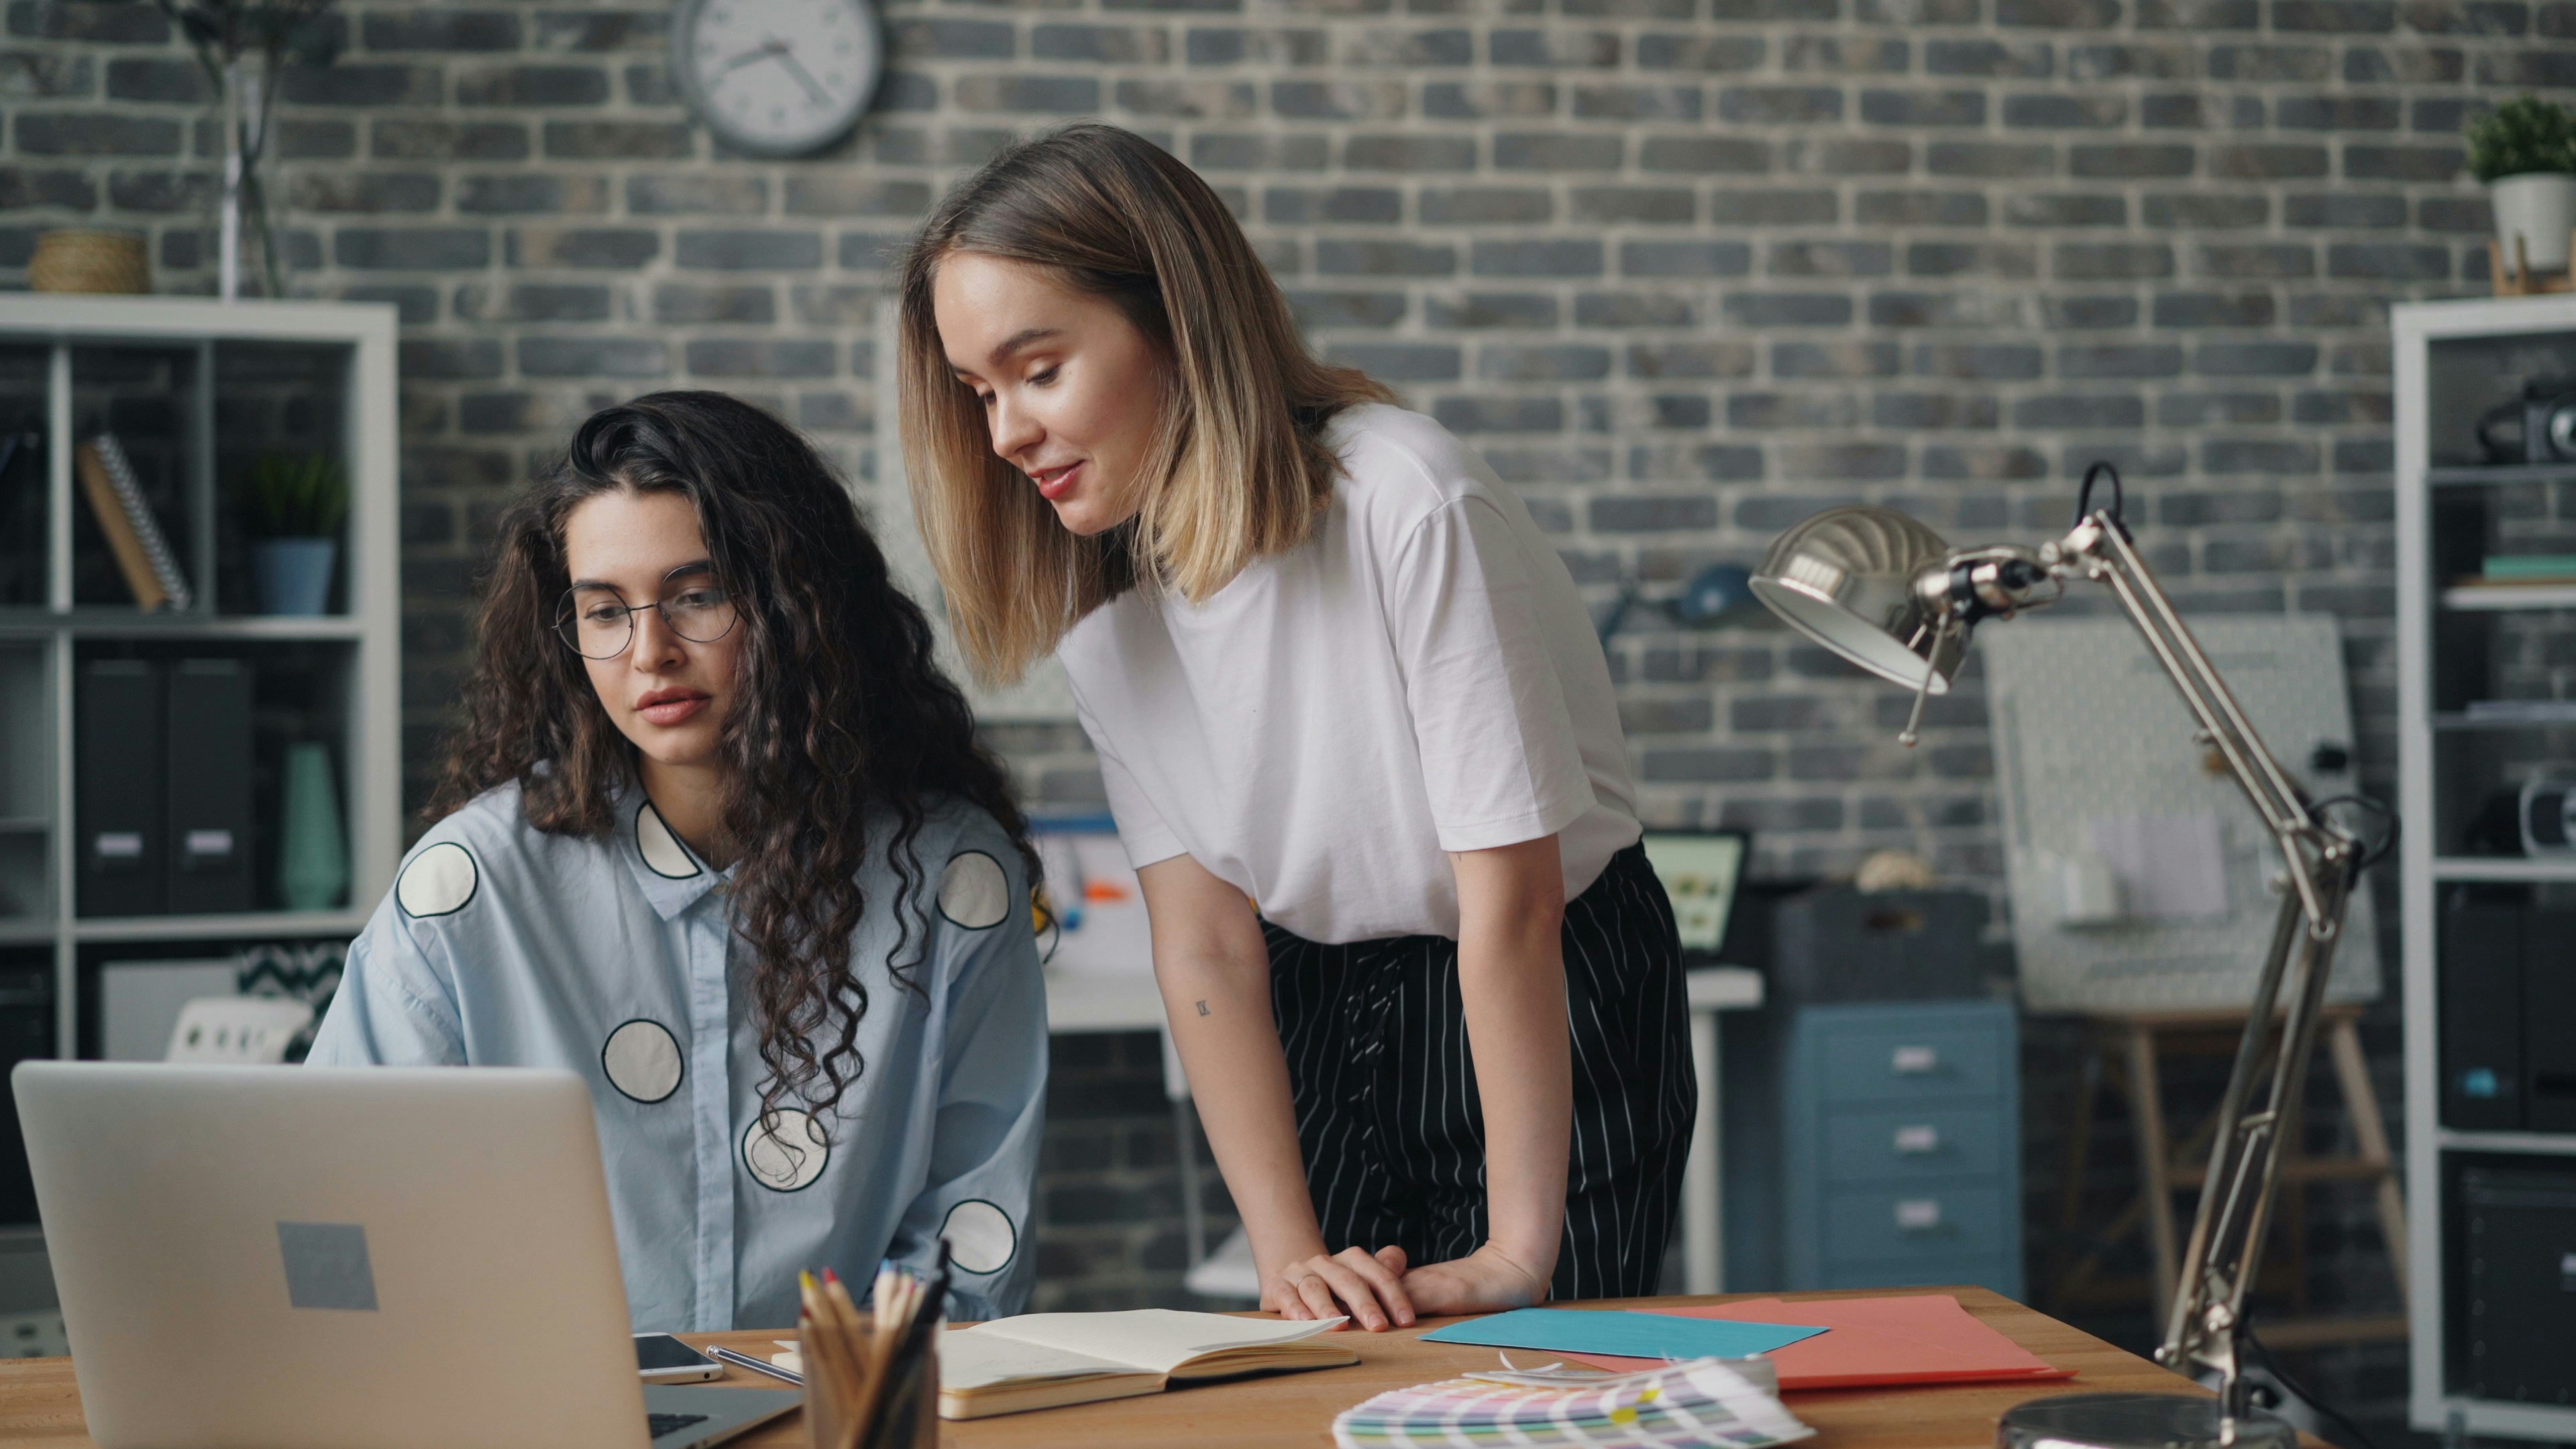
(326, 1265)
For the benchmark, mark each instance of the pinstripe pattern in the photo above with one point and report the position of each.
(1387, 1112)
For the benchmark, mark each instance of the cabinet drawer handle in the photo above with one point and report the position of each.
(1918, 1215)
(1915, 1141)
(1915, 1061)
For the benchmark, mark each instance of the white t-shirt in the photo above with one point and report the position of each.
(1419, 677)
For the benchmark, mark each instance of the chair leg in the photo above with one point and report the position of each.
(2079, 1139)
(2155, 1165)
(2370, 1134)
(2079, 1151)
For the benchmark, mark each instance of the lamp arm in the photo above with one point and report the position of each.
(2258, 1118)
(2258, 1126)
(2100, 550)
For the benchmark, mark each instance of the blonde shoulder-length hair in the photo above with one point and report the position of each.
(1237, 469)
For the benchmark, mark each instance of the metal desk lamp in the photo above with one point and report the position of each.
(1886, 593)
(1714, 595)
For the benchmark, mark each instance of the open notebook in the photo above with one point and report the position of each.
(1041, 1360)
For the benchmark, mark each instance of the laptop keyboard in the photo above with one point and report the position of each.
(661, 1424)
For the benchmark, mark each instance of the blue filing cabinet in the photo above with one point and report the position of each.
(1902, 1123)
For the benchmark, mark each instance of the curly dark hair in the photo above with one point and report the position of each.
(841, 712)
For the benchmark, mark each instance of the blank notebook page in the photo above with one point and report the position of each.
(970, 1360)
(1157, 1340)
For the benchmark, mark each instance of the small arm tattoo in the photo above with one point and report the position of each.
(1203, 1008)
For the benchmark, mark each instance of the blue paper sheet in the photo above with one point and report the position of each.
(1630, 1335)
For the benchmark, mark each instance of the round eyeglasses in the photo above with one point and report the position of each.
(597, 624)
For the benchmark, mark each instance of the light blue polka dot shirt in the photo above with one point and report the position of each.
(501, 945)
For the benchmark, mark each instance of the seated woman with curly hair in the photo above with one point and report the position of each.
(717, 835)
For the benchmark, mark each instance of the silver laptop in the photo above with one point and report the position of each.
(361, 1258)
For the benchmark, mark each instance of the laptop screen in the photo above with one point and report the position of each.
(1700, 871)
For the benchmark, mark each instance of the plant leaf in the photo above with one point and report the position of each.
(2523, 136)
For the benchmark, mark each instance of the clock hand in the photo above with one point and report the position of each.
(758, 52)
(804, 77)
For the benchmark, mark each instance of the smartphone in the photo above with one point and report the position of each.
(662, 1359)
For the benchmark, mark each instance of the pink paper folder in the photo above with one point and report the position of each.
(1918, 1339)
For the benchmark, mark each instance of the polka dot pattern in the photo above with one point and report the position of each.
(642, 1060)
(980, 1237)
(783, 1152)
(660, 848)
(976, 892)
(438, 882)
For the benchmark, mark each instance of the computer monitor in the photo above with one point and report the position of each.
(1701, 870)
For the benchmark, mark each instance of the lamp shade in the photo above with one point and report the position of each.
(1845, 578)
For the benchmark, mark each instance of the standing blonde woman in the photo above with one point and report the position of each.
(1355, 727)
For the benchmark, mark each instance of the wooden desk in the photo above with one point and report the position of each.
(40, 1406)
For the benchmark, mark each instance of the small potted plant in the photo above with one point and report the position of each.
(2525, 151)
(292, 507)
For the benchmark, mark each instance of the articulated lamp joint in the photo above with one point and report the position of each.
(1991, 583)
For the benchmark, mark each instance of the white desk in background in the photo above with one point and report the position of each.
(1087, 1001)
(1099, 1001)
(1712, 989)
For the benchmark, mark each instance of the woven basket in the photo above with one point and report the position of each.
(90, 261)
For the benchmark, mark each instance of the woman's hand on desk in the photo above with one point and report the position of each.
(1369, 1287)
(1377, 1292)
(1482, 1282)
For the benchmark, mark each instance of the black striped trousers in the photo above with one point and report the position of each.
(1387, 1110)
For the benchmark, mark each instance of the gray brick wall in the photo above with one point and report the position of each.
(1684, 270)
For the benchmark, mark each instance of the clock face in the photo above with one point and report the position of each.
(777, 77)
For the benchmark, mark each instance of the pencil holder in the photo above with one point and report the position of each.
(844, 1409)
(911, 1417)
(873, 1383)
(830, 1385)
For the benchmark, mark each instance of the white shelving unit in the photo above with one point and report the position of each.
(331, 364)
(2453, 360)
(2510, 599)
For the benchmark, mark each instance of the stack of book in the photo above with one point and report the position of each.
(2519, 568)
(134, 536)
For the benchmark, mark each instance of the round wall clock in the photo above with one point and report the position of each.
(777, 77)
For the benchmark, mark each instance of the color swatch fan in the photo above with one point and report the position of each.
(1702, 1402)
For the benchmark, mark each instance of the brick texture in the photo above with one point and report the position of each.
(1683, 269)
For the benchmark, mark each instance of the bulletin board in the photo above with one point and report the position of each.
(1097, 905)
(2098, 772)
